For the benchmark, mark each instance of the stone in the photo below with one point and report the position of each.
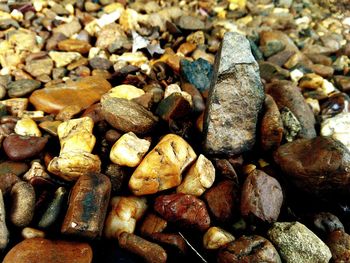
(124, 91)
(68, 113)
(343, 83)
(339, 244)
(337, 127)
(109, 34)
(197, 99)
(129, 150)
(50, 126)
(270, 71)
(16, 106)
(249, 249)
(175, 106)
(186, 211)
(286, 94)
(22, 87)
(36, 170)
(68, 29)
(124, 213)
(29, 232)
(100, 63)
(8, 180)
(4, 233)
(326, 223)
(152, 224)
(75, 158)
(173, 242)
(271, 127)
(52, 42)
(16, 168)
(37, 67)
(82, 93)
(62, 59)
(291, 124)
(198, 178)
(235, 100)
(296, 243)
(318, 166)
(87, 207)
(19, 147)
(128, 116)
(148, 251)
(162, 167)
(191, 23)
(74, 45)
(198, 73)
(42, 250)
(261, 197)
(216, 237)
(27, 127)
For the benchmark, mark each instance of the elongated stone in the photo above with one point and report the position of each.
(235, 99)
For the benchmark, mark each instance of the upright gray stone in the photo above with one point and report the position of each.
(235, 99)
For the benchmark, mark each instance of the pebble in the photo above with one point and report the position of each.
(216, 237)
(296, 243)
(27, 127)
(124, 91)
(152, 224)
(234, 102)
(22, 87)
(175, 106)
(82, 93)
(29, 232)
(9, 167)
(249, 249)
(4, 233)
(186, 211)
(87, 208)
(100, 63)
(42, 250)
(129, 150)
(128, 116)
(39, 67)
(326, 222)
(198, 73)
(68, 29)
(305, 162)
(74, 45)
(62, 59)
(174, 242)
(19, 147)
(191, 23)
(339, 244)
(270, 71)
(162, 167)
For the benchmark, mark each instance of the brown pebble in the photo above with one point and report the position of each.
(339, 244)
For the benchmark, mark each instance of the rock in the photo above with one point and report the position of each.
(343, 83)
(191, 23)
(173, 107)
(42, 250)
(16, 168)
(74, 45)
(249, 249)
(50, 126)
(148, 251)
(29, 232)
(152, 224)
(271, 127)
(128, 116)
(262, 197)
(87, 207)
(82, 93)
(198, 73)
(186, 48)
(216, 237)
(68, 29)
(270, 71)
(52, 42)
(296, 243)
(7, 181)
(162, 167)
(36, 170)
(16, 106)
(339, 244)
(338, 127)
(322, 70)
(199, 177)
(124, 213)
(27, 127)
(291, 124)
(124, 91)
(326, 222)
(318, 166)
(235, 100)
(22, 87)
(173, 242)
(39, 67)
(197, 99)
(109, 34)
(335, 104)
(185, 211)
(288, 95)
(100, 63)
(19, 148)
(4, 233)
(62, 59)
(129, 150)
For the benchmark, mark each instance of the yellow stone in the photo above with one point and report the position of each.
(27, 127)
(216, 237)
(162, 167)
(125, 91)
(129, 150)
(113, 7)
(16, 106)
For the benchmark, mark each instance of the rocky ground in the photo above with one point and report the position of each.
(160, 131)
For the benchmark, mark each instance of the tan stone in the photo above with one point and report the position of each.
(124, 91)
(216, 237)
(27, 127)
(74, 45)
(162, 167)
(62, 59)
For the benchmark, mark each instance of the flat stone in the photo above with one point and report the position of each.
(127, 115)
(42, 250)
(198, 73)
(296, 243)
(22, 87)
(39, 67)
(74, 45)
(62, 59)
(68, 29)
(235, 99)
(82, 93)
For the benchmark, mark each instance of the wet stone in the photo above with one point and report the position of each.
(198, 73)
(235, 100)
(22, 87)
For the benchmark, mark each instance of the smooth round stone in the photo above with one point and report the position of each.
(82, 93)
(40, 250)
(22, 87)
(19, 147)
(13, 168)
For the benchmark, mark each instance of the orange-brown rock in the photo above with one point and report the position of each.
(82, 93)
(40, 250)
(74, 45)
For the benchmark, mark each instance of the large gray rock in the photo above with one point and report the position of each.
(235, 99)
(296, 243)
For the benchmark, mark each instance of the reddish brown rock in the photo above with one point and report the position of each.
(87, 206)
(152, 224)
(261, 197)
(7, 181)
(339, 244)
(19, 147)
(222, 200)
(82, 93)
(40, 250)
(252, 249)
(186, 211)
(172, 241)
(271, 128)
